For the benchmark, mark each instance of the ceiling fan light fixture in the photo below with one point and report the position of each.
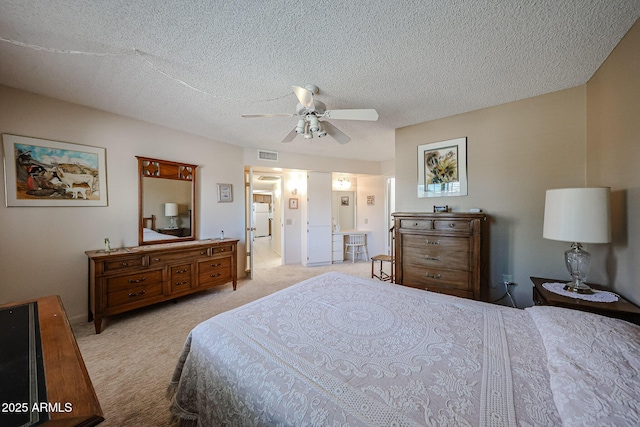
(314, 126)
(321, 132)
(300, 128)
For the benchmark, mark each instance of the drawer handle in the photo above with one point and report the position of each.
(431, 242)
(137, 281)
(433, 258)
(215, 275)
(137, 294)
(157, 259)
(184, 282)
(182, 271)
(216, 265)
(432, 276)
(125, 264)
(451, 225)
(203, 252)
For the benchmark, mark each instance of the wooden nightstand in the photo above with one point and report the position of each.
(178, 232)
(621, 309)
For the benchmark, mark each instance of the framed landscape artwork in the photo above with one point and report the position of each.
(442, 168)
(40, 172)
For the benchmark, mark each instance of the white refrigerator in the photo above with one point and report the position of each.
(261, 216)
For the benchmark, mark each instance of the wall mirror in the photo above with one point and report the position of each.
(343, 207)
(167, 201)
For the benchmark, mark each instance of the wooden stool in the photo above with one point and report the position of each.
(382, 275)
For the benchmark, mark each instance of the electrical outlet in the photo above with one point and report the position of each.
(507, 279)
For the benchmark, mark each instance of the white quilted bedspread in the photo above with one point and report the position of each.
(337, 350)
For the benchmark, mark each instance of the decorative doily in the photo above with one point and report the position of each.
(596, 296)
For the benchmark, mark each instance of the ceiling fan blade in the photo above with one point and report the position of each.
(362, 114)
(305, 96)
(268, 115)
(290, 136)
(335, 133)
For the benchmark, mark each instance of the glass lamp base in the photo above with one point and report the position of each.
(579, 288)
(578, 262)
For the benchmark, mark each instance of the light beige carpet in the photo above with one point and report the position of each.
(131, 362)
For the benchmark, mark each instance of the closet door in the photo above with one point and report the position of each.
(318, 211)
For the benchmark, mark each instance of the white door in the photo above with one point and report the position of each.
(318, 210)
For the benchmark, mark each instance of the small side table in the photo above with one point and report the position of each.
(621, 309)
(178, 232)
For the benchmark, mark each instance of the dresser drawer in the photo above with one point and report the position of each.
(134, 294)
(222, 249)
(163, 258)
(453, 225)
(435, 242)
(437, 277)
(124, 263)
(115, 284)
(221, 275)
(449, 291)
(180, 279)
(214, 264)
(414, 224)
(436, 257)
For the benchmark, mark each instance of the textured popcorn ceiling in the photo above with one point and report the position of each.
(412, 61)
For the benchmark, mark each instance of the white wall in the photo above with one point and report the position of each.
(42, 249)
(372, 217)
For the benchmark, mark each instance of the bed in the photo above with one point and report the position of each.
(149, 233)
(338, 350)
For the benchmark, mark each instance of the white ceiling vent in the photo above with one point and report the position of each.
(267, 155)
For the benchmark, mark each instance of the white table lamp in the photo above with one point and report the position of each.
(171, 210)
(577, 215)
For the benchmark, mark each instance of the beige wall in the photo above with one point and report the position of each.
(613, 159)
(587, 135)
(42, 249)
(515, 152)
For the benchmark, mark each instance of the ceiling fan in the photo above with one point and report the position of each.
(311, 110)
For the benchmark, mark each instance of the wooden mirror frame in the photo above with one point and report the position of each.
(149, 168)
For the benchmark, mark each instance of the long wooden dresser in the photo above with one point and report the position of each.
(439, 252)
(130, 278)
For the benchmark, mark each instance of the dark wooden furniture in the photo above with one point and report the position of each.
(130, 278)
(177, 232)
(621, 309)
(439, 252)
(66, 376)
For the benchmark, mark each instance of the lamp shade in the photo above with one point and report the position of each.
(577, 215)
(170, 209)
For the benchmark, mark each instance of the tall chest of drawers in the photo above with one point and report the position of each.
(130, 278)
(439, 252)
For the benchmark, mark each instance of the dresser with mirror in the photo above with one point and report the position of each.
(169, 262)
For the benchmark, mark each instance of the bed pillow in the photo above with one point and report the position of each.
(594, 366)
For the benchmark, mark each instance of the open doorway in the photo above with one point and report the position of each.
(266, 211)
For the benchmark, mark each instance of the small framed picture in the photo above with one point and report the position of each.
(225, 193)
(371, 200)
(344, 201)
(441, 208)
(293, 203)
